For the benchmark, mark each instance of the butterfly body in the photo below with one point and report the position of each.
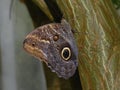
(55, 45)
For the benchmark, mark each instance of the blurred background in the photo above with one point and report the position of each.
(19, 70)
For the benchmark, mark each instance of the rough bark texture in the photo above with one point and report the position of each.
(98, 37)
(97, 32)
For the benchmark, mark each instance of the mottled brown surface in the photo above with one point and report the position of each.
(98, 38)
(60, 55)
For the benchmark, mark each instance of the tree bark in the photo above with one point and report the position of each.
(97, 34)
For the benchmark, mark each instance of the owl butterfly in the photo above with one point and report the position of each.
(55, 45)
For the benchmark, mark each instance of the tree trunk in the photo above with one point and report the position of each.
(97, 33)
(97, 28)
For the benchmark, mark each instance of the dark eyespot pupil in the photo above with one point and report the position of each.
(33, 44)
(66, 53)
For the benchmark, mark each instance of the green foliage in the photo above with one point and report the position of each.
(117, 3)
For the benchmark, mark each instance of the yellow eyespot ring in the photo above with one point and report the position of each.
(66, 53)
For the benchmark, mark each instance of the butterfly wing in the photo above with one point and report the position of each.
(55, 45)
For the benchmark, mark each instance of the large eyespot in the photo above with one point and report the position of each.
(66, 53)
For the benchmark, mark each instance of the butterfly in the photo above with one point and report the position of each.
(54, 44)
